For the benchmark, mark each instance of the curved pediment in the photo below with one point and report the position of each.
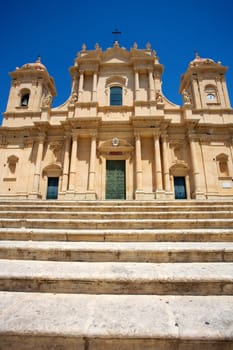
(53, 169)
(180, 168)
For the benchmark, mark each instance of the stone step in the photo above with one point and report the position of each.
(81, 207)
(118, 235)
(115, 203)
(117, 223)
(89, 215)
(118, 251)
(112, 322)
(117, 277)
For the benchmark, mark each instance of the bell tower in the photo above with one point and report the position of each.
(203, 85)
(31, 88)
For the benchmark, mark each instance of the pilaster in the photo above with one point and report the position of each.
(138, 155)
(91, 178)
(158, 168)
(66, 163)
(165, 160)
(80, 88)
(73, 163)
(136, 78)
(37, 173)
(194, 143)
(151, 86)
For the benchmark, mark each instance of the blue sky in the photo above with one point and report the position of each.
(56, 30)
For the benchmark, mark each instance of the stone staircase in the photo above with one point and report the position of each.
(123, 275)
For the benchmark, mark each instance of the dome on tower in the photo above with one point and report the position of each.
(199, 60)
(36, 65)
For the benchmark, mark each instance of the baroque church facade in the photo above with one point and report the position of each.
(117, 136)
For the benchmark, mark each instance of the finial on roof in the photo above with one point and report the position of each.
(135, 45)
(97, 46)
(84, 47)
(148, 46)
(116, 44)
(38, 60)
(197, 54)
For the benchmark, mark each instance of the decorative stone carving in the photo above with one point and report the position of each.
(74, 97)
(186, 98)
(56, 147)
(47, 100)
(115, 142)
(159, 97)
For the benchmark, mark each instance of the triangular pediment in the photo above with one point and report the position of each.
(115, 60)
(116, 55)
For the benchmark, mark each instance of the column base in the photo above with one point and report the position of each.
(144, 196)
(169, 195)
(139, 195)
(35, 195)
(198, 195)
(72, 195)
(91, 195)
(160, 194)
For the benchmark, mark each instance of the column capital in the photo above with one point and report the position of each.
(41, 136)
(93, 135)
(137, 134)
(74, 136)
(192, 136)
(156, 134)
(164, 135)
(67, 135)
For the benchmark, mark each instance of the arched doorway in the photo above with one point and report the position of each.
(53, 173)
(179, 173)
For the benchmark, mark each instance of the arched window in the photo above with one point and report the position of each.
(24, 99)
(116, 96)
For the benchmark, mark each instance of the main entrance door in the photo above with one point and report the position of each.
(52, 191)
(180, 188)
(115, 179)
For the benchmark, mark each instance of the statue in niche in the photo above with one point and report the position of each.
(47, 100)
(56, 147)
(159, 97)
(178, 153)
(186, 97)
(74, 97)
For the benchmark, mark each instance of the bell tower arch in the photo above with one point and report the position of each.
(204, 86)
(31, 88)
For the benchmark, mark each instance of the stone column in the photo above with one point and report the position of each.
(165, 163)
(136, 78)
(158, 168)
(91, 178)
(198, 193)
(225, 93)
(73, 162)
(66, 163)
(80, 88)
(222, 100)
(197, 94)
(94, 87)
(37, 173)
(138, 163)
(151, 86)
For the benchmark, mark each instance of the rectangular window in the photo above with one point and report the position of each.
(115, 96)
